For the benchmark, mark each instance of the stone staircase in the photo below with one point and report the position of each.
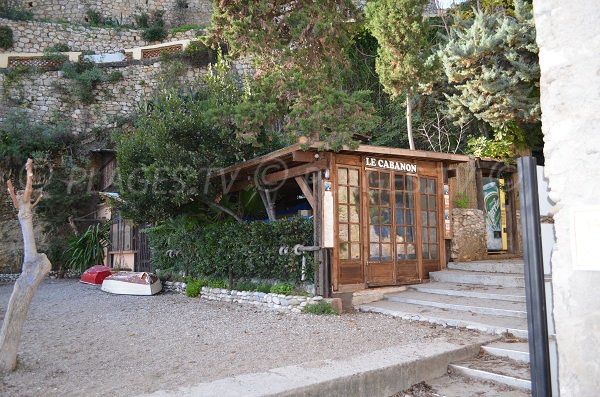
(488, 296)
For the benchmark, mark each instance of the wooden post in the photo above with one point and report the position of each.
(318, 235)
(265, 196)
(35, 268)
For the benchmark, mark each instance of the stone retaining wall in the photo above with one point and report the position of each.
(12, 277)
(33, 36)
(177, 12)
(469, 241)
(285, 303)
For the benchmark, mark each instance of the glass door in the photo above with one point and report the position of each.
(404, 225)
(429, 220)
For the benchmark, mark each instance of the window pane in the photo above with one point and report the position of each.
(433, 218)
(374, 216)
(374, 233)
(343, 215)
(400, 200)
(411, 252)
(432, 203)
(431, 186)
(432, 235)
(354, 195)
(354, 232)
(400, 251)
(424, 202)
(423, 218)
(433, 251)
(354, 214)
(342, 176)
(424, 235)
(373, 179)
(400, 235)
(386, 216)
(342, 194)
(410, 183)
(386, 251)
(353, 177)
(425, 251)
(399, 182)
(423, 185)
(384, 180)
(343, 233)
(410, 200)
(410, 234)
(399, 216)
(374, 251)
(385, 198)
(410, 217)
(373, 197)
(385, 234)
(355, 251)
(344, 251)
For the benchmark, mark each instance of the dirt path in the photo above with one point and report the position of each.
(80, 341)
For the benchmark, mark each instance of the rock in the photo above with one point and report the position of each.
(317, 298)
(293, 302)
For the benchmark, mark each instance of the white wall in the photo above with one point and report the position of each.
(568, 35)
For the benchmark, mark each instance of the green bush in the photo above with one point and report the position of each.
(155, 30)
(282, 288)
(88, 249)
(59, 47)
(232, 250)
(185, 28)
(9, 11)
(461, 200)
(87, 76)
(320, 308)
(194, 286)
(217, 284)
(198, 54)
(142, 20)
(94, 18)
(6, 37)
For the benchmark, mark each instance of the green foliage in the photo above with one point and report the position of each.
(86, 77)
(240, 250)
(251, 286)
(199, 54)
(491, 61)
(6, 37)
(14, 10)
(299, 53)
(142, 21)
(194, 286)
(58, 47)
(186, 28)
(180, 135)
(88, 249)
(155, 27)
(94, 18)
(217, 283)
(320, 308)
(13, 77)
(282, 288)
(461, 200)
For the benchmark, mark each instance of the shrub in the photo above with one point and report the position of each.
(142, 20)
(59, 47)
(88, 249)
(87, 77)
(6, 37)
(94, 18)
(194, 286)
(320, 308)
(217, 284)
(155, 30)
(282, 288)
(198, 54)
(186, 27)
(9, 11)
(461, 200)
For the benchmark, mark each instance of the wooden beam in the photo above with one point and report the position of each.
(304, 157)
(306, 191)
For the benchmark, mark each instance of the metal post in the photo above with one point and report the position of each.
(537, 327)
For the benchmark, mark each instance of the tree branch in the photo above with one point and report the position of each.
(11, 192)
(29, 184)
(226, 210)
(37, 200)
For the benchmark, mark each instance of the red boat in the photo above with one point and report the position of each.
(95, 275)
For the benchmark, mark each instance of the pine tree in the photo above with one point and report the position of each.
(402, 58)
(491, 60)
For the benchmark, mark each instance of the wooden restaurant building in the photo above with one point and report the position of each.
(382, 216)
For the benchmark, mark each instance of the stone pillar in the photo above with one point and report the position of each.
(469, 236)
(568, 35)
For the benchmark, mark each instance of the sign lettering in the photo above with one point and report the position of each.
(390, 165)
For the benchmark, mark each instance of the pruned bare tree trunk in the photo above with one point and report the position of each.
(35, 268)
(411, 142)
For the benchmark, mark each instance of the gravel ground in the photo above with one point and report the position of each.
(80, 341)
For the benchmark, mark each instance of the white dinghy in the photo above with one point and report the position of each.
(132, 283)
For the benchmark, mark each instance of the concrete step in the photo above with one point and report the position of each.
(482, 306)
(496, 369)
(514, 351)
(459, 386)
(453, 318)
(472, 291)
(493, 266)
(511, 280)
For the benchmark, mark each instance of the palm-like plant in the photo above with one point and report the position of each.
(88, 249)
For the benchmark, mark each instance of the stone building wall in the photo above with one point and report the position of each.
(33, 36)
(568, 39)
(469, 237)
(43, 95)
(177, 12)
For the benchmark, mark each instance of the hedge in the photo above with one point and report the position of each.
(232, 251)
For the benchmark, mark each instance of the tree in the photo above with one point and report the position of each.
(35, 268)
(179, 137)
(491, 63)
(298, 52)
(403, 56)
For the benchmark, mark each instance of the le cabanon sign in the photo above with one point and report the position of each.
(390, 165)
